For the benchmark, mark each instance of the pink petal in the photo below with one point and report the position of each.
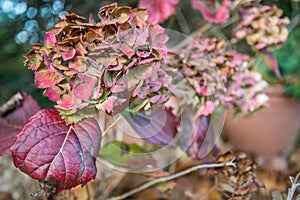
(46, 79)
(159, 11)
(220, 16)
(50, 38)
(53, 93)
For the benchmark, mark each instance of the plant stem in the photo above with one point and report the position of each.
(173, 176)
(193, 35)
(111, 126)
(12, 103)
(295, 185)
(182, 22)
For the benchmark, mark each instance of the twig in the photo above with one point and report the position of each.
(88, 192)
(173, 176)
(111, 126)
(230, 21)
(182, 22)
(294, 22)
(193, 35)
(295, 185)
(11, 104)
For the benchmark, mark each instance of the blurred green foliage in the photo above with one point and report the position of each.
(288, 57)
(289, 62)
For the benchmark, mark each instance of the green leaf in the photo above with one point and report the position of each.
(78, 116)
(122, 154)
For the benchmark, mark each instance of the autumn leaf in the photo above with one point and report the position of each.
(50, 151)
(14, 115)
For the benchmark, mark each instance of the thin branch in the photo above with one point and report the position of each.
(88, 192)
(230, 21)
(193, 35)
(295, 185)
(111, 126)
(11, 104)
(295, 17)
(173, 176)
(182, 22)
(294, 22)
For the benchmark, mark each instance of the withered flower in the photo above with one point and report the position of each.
(102, 65)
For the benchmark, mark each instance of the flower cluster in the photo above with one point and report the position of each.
(245, 92)
(244, 85)
(159, 11)
(262, 26)
(213, 12)
(102, 65)
(221, 77)
(201, 74)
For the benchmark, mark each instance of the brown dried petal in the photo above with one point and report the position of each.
(78, 64)
(33, 60)
(106, 10)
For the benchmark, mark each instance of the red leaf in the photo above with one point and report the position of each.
(49, 150)
(14, 115)
(158, 128)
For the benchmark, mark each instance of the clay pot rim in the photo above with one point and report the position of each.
(275, 90)
(278, 91)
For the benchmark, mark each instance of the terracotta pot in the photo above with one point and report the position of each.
(270, 131)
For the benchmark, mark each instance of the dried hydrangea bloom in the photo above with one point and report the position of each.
(244, 85)
(102, 65)
(159, 11)
(213, 12)
(239, 182)
(201, 74)
(245, 90)
(262, 26)
(226, 79)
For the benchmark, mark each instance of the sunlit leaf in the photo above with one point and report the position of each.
(123, 154)
(50, 151)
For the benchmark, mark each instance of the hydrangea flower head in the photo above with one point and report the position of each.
(262, 26)
(102, 65)
(220, 77)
